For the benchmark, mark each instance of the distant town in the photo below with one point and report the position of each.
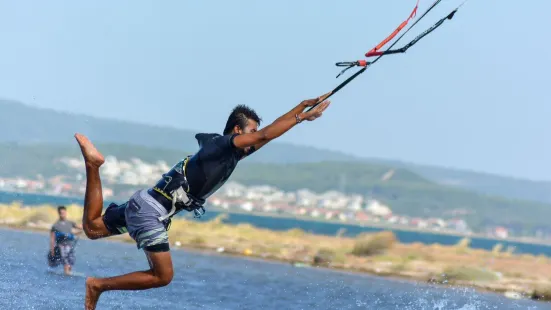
(121, 178)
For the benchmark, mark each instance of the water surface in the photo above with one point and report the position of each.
(204, 281)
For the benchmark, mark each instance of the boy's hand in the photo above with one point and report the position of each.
(310, 102)
(316, 112)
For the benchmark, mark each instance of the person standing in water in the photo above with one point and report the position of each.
(146, 215)
(62, 242)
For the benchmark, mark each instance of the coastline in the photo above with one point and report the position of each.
(386, 227)
(516, 276)
(370, 225)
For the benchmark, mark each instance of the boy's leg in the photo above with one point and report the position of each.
(142, 214)
(159, 274)
(92, 223)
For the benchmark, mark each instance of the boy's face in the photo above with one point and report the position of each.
(252, 126)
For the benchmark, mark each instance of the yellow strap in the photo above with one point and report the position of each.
(162, 193)
(184, 173)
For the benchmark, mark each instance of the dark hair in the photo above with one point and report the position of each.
(240, 116)
(61, 208)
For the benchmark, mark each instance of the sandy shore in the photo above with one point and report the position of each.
(516, 276)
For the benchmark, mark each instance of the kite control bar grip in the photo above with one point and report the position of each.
(373, 54)
(388, 52)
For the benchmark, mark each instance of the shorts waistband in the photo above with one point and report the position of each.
(144, 195)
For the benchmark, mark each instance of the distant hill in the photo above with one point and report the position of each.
(483, 183)
(27, 125)
(406, 192)
(487, 183)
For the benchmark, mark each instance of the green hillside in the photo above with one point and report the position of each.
(406, 192)
(487, 183)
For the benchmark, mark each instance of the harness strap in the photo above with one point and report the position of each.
(178, 195)
(181, 197)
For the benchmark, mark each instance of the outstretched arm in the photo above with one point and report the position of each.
(282, 124)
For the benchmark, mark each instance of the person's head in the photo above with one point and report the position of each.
(62, 211)
(242, 120)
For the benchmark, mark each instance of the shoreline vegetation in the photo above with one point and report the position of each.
(499, 270)
(371, 225)
(385, 226)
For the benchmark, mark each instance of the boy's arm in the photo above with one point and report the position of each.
(289, 115)
(282, 124)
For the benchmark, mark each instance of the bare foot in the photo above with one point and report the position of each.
(92, 294)
(92, 156)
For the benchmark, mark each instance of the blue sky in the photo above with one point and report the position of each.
(473, 95)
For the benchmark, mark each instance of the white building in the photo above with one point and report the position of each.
(355, 203)
(232, 190)
(247, 206)
(306, 198)
(378, 209)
